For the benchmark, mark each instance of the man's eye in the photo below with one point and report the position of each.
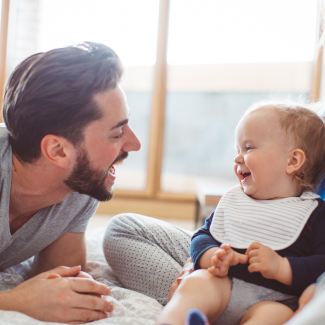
(119, 136)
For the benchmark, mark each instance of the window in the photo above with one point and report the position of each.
(233, 54)
(185, 101)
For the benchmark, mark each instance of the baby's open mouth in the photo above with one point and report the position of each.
(245, 174)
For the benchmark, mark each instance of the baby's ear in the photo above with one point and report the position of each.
(296, 159)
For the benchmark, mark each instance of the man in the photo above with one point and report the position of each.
(67, 125)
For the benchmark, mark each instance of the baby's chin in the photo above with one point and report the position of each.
(260, 196)
(255, 195)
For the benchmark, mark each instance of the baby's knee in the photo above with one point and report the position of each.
(203, 280)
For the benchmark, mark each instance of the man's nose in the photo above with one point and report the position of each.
(132, 142)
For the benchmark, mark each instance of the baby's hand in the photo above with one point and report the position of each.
(223, 258)
(270, 264)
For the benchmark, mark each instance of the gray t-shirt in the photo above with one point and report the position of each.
(47, 225)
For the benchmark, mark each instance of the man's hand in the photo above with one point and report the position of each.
(59, 295)
(271, 265)
(188, 268)
(223, 258)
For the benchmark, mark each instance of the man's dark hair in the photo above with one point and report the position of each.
(52, 93)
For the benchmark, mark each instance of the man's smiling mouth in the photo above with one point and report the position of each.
(118, 161)
(112, 169)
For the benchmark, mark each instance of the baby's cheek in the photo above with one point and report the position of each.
(235, 171)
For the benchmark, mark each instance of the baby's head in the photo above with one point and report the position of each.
(281, 150)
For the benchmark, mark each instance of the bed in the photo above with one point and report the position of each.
(130, 307)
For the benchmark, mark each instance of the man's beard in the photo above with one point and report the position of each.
(89, 181)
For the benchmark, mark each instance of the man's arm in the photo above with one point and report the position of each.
(68, 250)
(55, 292)
(59, 296)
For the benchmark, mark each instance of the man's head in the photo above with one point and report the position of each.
(65, 105)
(53, 93)
(106, 142)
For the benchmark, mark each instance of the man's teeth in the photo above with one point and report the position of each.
(112, 168)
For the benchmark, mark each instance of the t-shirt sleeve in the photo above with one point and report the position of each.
(202, 240)
(84, 210)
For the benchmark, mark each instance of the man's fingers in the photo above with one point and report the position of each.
(81, 316)
(54, 276)
(65, 271)
(83, 285)
(83, 274)
(90, 302)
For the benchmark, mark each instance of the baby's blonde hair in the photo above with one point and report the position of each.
(305, 123)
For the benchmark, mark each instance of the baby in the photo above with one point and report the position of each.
(272, 225)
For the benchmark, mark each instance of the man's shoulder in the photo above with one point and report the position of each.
(5, 149)
(3, 135)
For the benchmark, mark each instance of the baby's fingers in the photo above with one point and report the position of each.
(253, 246)
(225, 246)
(220, 253)
(213, 270)
(254, 267)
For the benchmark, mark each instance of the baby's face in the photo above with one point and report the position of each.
(262, 156)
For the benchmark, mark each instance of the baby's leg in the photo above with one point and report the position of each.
(200, 290)
(267, 313)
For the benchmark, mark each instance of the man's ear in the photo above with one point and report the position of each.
(296, 159)
(56, 150)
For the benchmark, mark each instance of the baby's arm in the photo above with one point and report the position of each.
(271, 265)
(223, 258)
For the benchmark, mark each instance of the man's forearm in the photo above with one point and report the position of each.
(5, 301)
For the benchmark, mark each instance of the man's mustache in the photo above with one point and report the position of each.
(122, 156)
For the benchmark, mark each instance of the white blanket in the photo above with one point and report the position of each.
(130, 307)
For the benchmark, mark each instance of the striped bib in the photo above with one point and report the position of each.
(240, 220)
